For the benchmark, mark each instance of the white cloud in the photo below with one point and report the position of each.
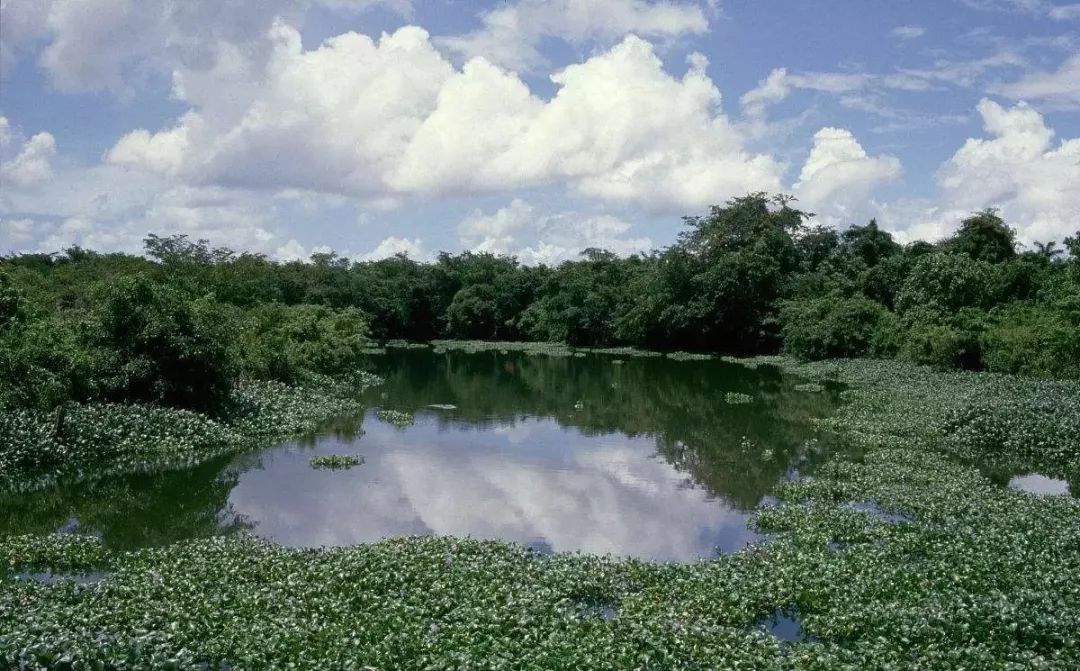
(393, 117)
(15, 233)
(839, 175)
(535, 238)
(1060, 88)
(771, 90)
(907, 32)
(32, 161)
(1018, 169)
(393, 246)
(291, 251)
(1065, 12)
(1040, 8)
(511, 33)
(106, 44)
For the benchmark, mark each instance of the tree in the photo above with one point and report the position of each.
(984, 236)
(473, 313)
(829, 327)
(946, 283)
(869, 243)
(1048, 250)
(156, 344)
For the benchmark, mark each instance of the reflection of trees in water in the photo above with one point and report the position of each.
(134, 510)
(681, 404)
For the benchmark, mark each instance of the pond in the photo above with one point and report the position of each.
(648, 457)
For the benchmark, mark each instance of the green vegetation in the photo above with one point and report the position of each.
(907, 552)
(736, 398)
(912, 556)
(336, 461)
(750, 277)
(113, 364)
(396, 417)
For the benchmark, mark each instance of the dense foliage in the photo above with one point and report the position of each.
(750, 277)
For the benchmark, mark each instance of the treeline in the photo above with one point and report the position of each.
(178, 325)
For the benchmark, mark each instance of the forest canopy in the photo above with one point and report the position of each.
(179, 325)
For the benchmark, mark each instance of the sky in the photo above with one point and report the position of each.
(535, 128)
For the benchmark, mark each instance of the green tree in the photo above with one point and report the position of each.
(156, 344)
(984, 236)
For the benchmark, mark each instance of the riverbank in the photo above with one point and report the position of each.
(80, 440)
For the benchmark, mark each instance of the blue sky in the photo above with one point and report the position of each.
(529, 127)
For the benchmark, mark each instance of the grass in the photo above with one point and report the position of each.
(913, 556)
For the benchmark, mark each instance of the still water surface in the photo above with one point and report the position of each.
(639, 458)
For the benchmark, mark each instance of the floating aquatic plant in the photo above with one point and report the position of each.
(737, 398)
(336, 461)
(398, 418)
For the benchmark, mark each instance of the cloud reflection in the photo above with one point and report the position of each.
(534, 482)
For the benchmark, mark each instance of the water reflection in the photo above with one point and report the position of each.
(520, 482)
(1036, 483)
(560, 453)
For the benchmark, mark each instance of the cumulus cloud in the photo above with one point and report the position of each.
(92, 45)
(373, 119)
(537, 238)
(511, 33)
(1019, 169)
(839, 175)
(1059, 88)
(31, 161)
(392, 246)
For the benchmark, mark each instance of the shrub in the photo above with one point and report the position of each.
(947, 282)
(1033, 340)
(288, 343)
(158, 345)
(837, 327)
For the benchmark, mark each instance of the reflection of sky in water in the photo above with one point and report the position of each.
(532, 482)
(1035, 483)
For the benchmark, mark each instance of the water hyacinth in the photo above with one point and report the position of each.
(912, 555)
(99, 439)
(737, 398)
(396, 417)
(336, 461)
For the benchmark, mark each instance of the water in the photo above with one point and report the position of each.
(640, 459)
(1036, 483)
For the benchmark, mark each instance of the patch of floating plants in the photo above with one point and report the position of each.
(737, 398)
(336, 461)
(810, 387)
(689, 356)
(398, 418)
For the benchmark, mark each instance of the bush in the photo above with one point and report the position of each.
(948, 282)
(1033, 340)
(157, 345)
(473, 313)
(288, 343)
(826, 328)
